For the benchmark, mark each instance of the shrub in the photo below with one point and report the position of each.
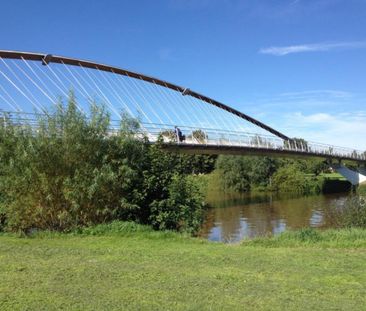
(182, 210)
(169, 135)
(291, 180)
(350, 214)
(61, 175)
(200, 136)
(70, 171)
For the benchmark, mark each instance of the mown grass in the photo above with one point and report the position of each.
(124, 266)
(333, 175)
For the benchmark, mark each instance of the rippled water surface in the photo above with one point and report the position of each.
(234, 217)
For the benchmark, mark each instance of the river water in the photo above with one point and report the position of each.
(232, 218)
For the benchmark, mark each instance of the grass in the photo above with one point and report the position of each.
(333, 175)
(128, 267)
(362, 189)
(330, 238)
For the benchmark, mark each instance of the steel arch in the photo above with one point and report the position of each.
(49, 58)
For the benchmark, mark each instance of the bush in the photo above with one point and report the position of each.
(289, 179)
(182, 210)
(70, 172)
(169, 135)
(350, 214)
(66, 173)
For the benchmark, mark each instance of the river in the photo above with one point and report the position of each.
(234, 217)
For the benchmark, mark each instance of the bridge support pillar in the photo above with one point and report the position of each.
(362, 170)
(354, 177)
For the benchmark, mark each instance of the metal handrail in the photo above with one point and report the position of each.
(218, 137)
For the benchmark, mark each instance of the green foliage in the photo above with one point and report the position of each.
(114, 228)
(66, 173)
(311, 237)
(260, 141)
(182, 210)
(70, 171)
(309, 166)
(169, 135)
(243, 173)
(350, 214)
(362, 190)
(234, 173)
(180, 162)
(289, 179)
(199, 135)
(297, 143)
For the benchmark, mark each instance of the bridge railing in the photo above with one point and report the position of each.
(212, 137)
(216, 137)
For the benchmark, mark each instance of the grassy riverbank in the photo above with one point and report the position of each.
(129, 267)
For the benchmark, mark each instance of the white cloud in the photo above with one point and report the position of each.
(316, 47)
(318, 93)
(308, 101)
(328, 116)
(341, 129)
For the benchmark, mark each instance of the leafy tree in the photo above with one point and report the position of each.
(169, 135)
(242, 173)
(234, 173)
(289, 179)
(68, 171)
(297, 143)
(200, 136)
(179, 210)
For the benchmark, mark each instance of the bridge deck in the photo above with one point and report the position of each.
(253, 151)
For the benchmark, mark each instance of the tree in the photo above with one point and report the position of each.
(169, 135)
(234, 173)
(289, 179)
(68, 172)
(200, 136)
(297, 143)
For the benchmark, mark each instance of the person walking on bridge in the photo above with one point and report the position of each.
(179, 135)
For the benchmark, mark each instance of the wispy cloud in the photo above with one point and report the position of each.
(307, 100)
(332, 94)
(330, 116)
(342, 129)
(315, 47)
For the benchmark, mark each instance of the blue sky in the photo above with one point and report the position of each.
(298, 65)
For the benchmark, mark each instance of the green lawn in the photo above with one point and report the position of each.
(164, 271)
(333, 175)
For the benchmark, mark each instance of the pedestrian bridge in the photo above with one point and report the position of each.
(33, 83)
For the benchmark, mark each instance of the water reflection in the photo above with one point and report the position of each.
(234, 217)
